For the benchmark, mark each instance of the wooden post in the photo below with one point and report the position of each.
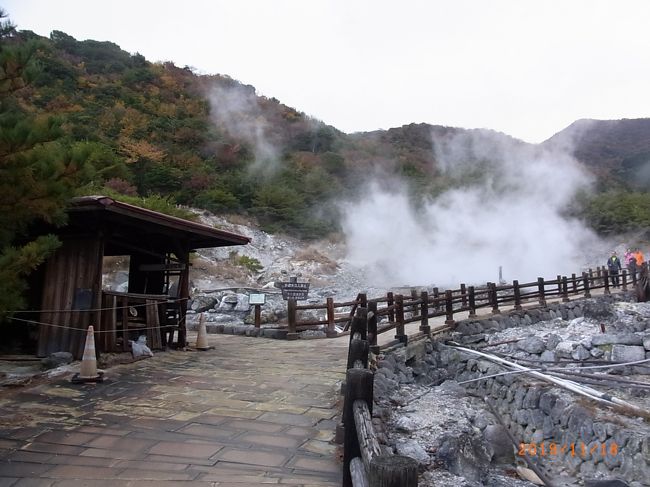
(599, 275)
(359, 385)
(494, 299)
(331, 330)
(390, 301)
(291, 317)
(414, 297)
(517, 292)
(624, 279)
(472, 301)
(585, 280)
(436, 296)
(574, 282)
(399, 317)
(449, 308)
(360, 324)
(424, 313)
(558, 278)
(258, 316)
(540, 290)
(393, 471)
(372, 327)
(363, 300)
(634, 277)
(565, 289)
(463, 295)
(605, 275)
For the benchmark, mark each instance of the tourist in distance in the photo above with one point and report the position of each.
(614, 267)
(639, 257)
(630, 261)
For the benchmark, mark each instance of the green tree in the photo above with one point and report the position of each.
(37, 173)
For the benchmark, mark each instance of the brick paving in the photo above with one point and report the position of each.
(248, 412)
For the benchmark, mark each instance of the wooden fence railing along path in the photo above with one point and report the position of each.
(364, 463)
(400, 310)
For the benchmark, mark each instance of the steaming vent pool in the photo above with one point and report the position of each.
(426, 409)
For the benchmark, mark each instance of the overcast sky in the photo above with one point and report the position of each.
(526, 68)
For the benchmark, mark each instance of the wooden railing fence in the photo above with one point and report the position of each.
(364, 463)
(400, 310)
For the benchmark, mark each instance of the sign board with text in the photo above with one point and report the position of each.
(294, 290)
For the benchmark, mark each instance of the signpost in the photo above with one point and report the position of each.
(257, 300)
(293, 291)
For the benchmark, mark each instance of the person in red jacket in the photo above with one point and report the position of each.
(639, 257)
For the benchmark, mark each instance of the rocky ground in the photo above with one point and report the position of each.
(447, 426)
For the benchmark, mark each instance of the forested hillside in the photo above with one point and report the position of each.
(86, 117)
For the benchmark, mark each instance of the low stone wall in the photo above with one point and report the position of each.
(569, 435)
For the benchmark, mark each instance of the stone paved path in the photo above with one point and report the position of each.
(250, 412)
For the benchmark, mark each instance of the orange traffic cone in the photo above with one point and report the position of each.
(88, 371)
(202, 336)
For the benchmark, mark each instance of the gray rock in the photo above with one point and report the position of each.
(548, 356)
(564, 349)
(646, 343)
(605, 483)
(496, 436)
(625, 353)
(203, 303)
(580, 353)
(597, 309)
(597, 352)
(532, 345)
(413, 449)
(406, 424)
(56, 359)
(618, 338)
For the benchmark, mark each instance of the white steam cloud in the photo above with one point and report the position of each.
(237, 110)
(513, 218)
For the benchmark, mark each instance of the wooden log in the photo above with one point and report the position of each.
(390, 302)
(399, 319)
(372, 327)
(358, 473)
(393, 471)
(494, 298)
(360, 324)
(463, 294)
(424, 312)
(358, 385)
(449, 308)
(516, 290)
(368, 443)
(574, 283)
(624, 273)
(358, 350)
(291, 315)
(565, 289)
(540, 290)
(585, 282)
(605, 274)
(471, 298)
(258, 316)
(331, 330)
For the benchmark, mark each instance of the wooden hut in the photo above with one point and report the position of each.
(158, 247)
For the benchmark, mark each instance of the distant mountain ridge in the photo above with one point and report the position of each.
(212, 142)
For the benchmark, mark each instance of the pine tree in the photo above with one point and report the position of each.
(37, 172)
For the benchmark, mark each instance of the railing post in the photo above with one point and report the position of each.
(605, 275)
(585, 280)
(624, 277)
(424, 313)
(574, 281)
(565, 289)
(517, 292)
(599, 275)
(399, 317)
(449, 308)
(291, 315)
(359, 385)
(372, 327)
(634, 277)
(494, 300)
(331, 326)
(463, 294)
(390, 301)
(436, 296)
(540, 290)
(359, 346)
(414, 297)
(472, 301)
(393, 471)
